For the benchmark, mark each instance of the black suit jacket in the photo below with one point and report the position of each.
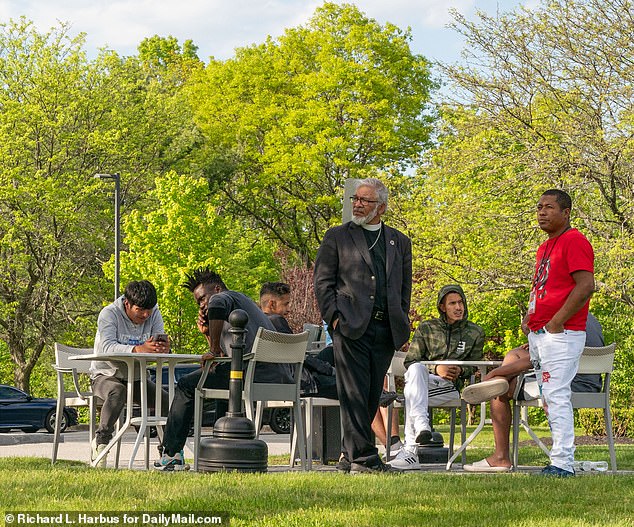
(345, 285)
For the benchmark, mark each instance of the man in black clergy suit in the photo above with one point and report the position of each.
(363, 284)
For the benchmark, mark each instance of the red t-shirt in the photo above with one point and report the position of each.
(557, 259)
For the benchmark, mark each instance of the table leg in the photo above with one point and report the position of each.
(144, 411)
(472, 436)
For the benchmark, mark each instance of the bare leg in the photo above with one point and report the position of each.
(379, 424)
(501, 419)
(395, 427)
(501, 412)
(378, 427)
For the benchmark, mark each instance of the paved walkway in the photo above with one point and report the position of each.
(75, 446)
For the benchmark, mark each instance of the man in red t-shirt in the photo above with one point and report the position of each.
(556, 320)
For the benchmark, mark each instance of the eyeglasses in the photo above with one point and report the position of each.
(363, 201)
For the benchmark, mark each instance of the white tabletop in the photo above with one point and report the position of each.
(463, 362)
(175, 357)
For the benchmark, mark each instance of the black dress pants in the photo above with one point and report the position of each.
(181, 412)
(361, 367)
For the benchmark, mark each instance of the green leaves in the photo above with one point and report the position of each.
(545, 102)
(289, 120)
(186, 228)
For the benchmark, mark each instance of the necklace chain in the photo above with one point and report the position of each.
(375, 241)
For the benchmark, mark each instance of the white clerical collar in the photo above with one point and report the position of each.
(373, 227)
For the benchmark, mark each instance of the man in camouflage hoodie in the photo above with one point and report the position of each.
(451, 336)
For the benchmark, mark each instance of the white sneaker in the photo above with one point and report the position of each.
(95, 450)
(587, 466)
(405, 460)
(393, 451)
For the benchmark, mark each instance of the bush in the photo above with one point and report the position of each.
(592, 422)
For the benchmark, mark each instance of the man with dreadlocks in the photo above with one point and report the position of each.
(216, 303)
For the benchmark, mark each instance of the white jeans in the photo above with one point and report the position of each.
(555, 357)
(423, 389)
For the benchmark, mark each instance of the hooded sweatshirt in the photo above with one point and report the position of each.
(116, 333)
(436, 339)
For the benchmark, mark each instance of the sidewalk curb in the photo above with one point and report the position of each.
(26, 438)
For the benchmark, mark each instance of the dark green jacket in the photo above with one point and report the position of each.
(435, 339)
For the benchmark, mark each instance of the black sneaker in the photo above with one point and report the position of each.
(379, 468)
(343, 465)
(424, 438)
(387, 398)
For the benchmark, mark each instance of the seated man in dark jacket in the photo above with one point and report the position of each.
(216, 303)
(318, 374)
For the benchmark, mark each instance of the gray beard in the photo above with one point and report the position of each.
(364, 220)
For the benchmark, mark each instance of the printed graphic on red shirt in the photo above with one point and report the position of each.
(541, 277)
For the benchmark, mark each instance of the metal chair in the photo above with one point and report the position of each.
(72, 394)
(397, 369)
(316, 338)
(310, 404)
(594, 360)
(268, 347)
(316, 343)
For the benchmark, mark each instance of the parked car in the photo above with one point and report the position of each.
(19, 410)
(279, 419)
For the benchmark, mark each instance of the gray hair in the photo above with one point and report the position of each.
(378, 186)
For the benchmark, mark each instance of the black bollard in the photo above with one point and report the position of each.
(233, 446)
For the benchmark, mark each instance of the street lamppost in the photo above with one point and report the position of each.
(117, 237)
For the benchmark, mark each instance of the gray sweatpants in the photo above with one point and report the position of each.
(113, 392)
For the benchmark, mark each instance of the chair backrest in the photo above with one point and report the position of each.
(283, 348)
(279, 348)
(76, 396)
(63, 354)
(597, 359)
(316, 337)
(314, 331)
(397, 367)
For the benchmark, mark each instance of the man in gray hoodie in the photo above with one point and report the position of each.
(128, 325)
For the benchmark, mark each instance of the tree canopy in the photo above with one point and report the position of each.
(240, 164)
(542, 100)
(64, 118)
(287, 121)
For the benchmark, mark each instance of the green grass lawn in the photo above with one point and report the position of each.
(324, 499)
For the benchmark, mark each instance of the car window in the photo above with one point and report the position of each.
(7, 392)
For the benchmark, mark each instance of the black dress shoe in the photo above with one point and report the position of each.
(343, 465)
(424, 438)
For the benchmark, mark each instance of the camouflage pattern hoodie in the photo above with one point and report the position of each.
(436, 339)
